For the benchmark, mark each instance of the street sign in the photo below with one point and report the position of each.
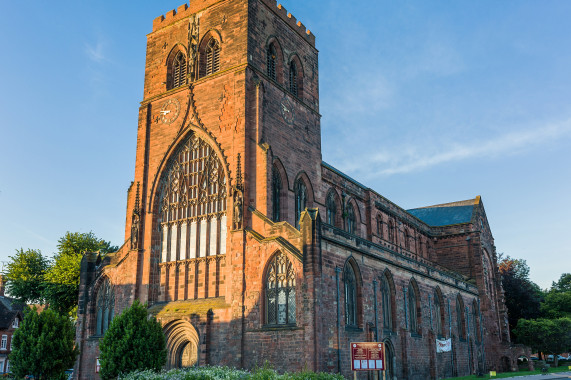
(367, 356)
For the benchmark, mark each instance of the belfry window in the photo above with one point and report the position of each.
(280, 291)
(276, 193)
(350, 296)
(177, 72)
(300, 200)
(293, 78)
(331, 208)
(212, 55)
(105, 306)
(271, 61)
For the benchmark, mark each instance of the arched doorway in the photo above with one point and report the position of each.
(182, 344)
(389, 360)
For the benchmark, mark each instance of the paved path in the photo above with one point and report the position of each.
(550, 376)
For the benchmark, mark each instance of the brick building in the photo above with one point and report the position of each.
(249, 248)
(11, 314)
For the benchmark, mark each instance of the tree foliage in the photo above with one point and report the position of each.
(133, 342)
(545, 335)
(24, 275)
(62, 278)
(43, 345)
(558, 300)
(523, 297)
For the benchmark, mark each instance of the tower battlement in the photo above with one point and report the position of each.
(192, 7)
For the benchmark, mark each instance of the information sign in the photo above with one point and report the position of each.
(367, 356)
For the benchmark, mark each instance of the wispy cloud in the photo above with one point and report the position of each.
(413, 157)
(95, 52)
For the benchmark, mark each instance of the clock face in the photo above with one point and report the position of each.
(287, 111)
(169, 111)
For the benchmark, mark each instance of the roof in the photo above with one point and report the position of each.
(9, 309)
(447, 213)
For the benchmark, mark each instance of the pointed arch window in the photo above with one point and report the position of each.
(350, 220)
(276, 193)
(331, 208)
(380, 226)
(212, 57)
(406, 240)
(271, 61)
(476, 319)
(387, 297)
(350, 296)
(438, 314)
(177, 71)
(300, 200)
(280, 291)
(460, 319)
(293, 78)
(413, 316)
(105, 307)
(391, 231)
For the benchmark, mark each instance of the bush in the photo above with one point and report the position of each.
(225, 373)
(133, 342)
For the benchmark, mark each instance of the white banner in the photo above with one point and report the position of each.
(443, 345)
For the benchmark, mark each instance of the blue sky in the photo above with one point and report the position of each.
(424, 101)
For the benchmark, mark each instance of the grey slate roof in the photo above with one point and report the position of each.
(9, 309)
(446, 214)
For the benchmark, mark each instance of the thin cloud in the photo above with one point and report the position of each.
(410, 158)
(95, 52)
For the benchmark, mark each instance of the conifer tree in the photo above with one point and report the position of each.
(133, 341)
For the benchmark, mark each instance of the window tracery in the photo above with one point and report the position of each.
(105, 305)
(280, 291)
(192, 203)
(331, 208)
(350, 220)
(350, 296)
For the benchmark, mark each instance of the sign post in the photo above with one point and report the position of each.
(367, 356)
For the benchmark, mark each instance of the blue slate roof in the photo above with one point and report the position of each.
(446, 214)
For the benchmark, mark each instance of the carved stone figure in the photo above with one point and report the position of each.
(238, 203)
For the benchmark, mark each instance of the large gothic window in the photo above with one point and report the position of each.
(271, 61)
(280, 291)
(387, 303)
(350, 219)
(193, 203)
(331, 208)
(300, 200)
(105, 307)
(276, 194)
(350, 295)
(177, 70)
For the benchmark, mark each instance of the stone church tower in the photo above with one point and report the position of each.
(249, 248)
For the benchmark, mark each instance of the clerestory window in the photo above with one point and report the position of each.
(276, 193)
(300, 200)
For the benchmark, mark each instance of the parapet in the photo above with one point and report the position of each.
(291, 21)
(186, 10)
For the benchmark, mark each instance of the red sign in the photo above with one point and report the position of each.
(97, 365)
(367, 356)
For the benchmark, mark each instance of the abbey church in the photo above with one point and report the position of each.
(249, 248)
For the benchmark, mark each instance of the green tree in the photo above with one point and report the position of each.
(545, 335)
(523, 297)
(61, 287)
(133, 342)
(24, 275)
(43, 345)
(558, 300)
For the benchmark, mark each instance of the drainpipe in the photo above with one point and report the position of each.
(405, 309)
(430, 308)
(450, 336)
(468, 337)
(376, 315)
(482, 338)
(337, 271)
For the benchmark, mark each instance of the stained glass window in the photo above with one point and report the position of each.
(280, 291)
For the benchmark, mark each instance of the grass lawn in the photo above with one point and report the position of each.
(512, 374)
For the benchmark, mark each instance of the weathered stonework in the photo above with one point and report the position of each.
(205, 235)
